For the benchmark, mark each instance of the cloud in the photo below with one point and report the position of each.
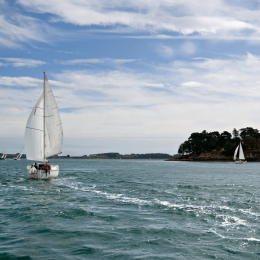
(165, 51)
(94, 61)
(168, 101)
(188, 48)
(183, 17)
(191, 84)
(20, 62)
(80, 61)
(19, 81)
(20, 29)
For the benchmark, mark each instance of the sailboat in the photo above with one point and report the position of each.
(18, 157)
(3, 157)
(241, 157)
(43, 135)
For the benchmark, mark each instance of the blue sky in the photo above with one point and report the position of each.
(130, 76)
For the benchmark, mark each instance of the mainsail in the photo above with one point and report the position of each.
(235, 154)
(43, 132)
(53, 127)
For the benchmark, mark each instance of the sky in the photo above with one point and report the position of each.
(133, 76)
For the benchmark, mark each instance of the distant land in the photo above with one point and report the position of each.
(213, 146)
(113, 155)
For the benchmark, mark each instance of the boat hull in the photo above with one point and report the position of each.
(34, 173)
(240, 162)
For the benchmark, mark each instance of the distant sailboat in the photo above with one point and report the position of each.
(241, 157)
(18, 157)
(43, 135)
(3, 157)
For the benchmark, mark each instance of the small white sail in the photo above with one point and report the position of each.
(18, 157)
(53, 127)
(33, 136)
(241, 153)
(235, 154)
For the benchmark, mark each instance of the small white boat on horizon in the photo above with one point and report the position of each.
(241, 157)
(43, 135)
(4, 155)
(18, 157)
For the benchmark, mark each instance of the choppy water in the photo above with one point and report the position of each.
(131, 209)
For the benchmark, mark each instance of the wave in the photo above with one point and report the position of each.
(205, 209)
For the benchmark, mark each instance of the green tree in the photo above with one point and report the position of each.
(224, 138)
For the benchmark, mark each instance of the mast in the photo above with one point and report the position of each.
(44, 115)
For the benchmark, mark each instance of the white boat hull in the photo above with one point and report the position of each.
(34, 173)
(240, 162)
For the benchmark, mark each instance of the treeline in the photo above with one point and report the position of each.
(134, 155)
(153, 156)
(227, 142)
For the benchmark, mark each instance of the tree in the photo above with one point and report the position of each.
(208, 141)
(197, 141)
(224, 138)
(181, 149)
(212, 140)
(249, 131)
(185, 148)
(250, 141)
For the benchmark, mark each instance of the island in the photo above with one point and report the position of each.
(220, 147)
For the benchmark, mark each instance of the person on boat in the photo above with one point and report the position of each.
(47, 163)
(35, 166)
(47, 166)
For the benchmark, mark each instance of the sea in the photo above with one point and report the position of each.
(131, 209)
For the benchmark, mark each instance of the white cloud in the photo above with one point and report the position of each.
(20, 62)
(93, 61)
(120, 61)
(80, 61)
(191, 84)
(185, 17)
(19, 81)
(19, 29)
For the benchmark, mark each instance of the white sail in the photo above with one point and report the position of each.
(19, 155)
(235, 154)
(53, 127)
(33, 136)
(241, 153)
(43, 133)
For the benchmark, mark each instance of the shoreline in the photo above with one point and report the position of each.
(211, 160)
